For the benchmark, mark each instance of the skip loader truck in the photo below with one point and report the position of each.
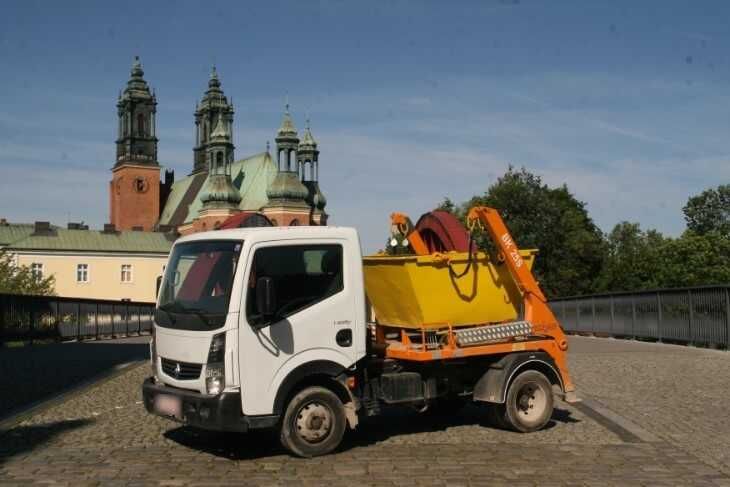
(272, 328)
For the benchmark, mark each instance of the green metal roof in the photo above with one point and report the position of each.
(12, 232)
(177, 192)
(251, 177)
(96, 241)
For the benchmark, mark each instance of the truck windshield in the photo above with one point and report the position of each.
(196, 290)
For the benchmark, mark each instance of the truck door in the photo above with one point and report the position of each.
(314, 319)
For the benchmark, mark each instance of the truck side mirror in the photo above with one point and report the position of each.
(265, 297)
(157, 286)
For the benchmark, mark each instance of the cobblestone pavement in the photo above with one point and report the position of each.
(33, 373)
(104, 437)
(681, 394)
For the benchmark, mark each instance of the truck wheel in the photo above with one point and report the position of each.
(529, 403)
(314, 423)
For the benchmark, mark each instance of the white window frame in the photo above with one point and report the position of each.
(121, 274)
(87, 269)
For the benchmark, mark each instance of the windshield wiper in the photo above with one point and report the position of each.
(169, 315)
(175, 307)
(200, 314)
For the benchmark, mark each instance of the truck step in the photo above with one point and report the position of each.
(481, 335)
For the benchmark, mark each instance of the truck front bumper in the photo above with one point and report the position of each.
(218, 413)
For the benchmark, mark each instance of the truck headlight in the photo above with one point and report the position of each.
(215, 377)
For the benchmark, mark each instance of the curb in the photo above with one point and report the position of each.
(626, 430)
(17, 416)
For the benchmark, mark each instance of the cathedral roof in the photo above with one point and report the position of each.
(251, 177)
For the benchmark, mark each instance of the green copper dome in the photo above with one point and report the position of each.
(287, 129)
(287, 186)
(308, 143)
(220, 192)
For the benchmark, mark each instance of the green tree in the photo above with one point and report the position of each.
(15, 279)
(632, 259)
(709, 211)
(448, 205)
(694, 260)
(549, 219)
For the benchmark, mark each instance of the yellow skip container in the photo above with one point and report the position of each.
(420, 291)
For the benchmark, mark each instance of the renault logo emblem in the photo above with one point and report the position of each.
(177, 370)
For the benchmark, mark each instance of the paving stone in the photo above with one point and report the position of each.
(105, 437)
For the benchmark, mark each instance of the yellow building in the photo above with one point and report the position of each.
(99, 264)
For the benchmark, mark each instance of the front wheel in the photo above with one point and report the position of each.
(528, 405)
(314, 423)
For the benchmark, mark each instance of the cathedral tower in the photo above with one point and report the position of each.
(219, 196)
(287, 195)
(213, 106)
(134, 190)
(308, 166)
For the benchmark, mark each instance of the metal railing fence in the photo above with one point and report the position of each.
(695, 315)
(31, 318)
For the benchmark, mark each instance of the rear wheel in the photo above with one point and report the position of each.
(314, 422)
(528, 405)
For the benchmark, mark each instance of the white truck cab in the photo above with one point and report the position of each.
(220, 363)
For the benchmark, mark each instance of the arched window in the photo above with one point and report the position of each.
(140, 124)
(294, 223)
(219, 162)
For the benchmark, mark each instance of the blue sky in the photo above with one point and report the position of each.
(628, 103)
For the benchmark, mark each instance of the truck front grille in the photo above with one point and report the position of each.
(180, 370)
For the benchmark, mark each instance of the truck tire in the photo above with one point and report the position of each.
(314, 423)
(528, 405)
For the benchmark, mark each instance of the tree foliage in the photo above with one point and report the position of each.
(632, 258)
(551, 220)
(15, 279)
(577, 258)
(709, 211)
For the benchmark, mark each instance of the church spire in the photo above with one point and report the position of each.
(219, 191)
(136, 109)
(287, 142)
(213, 107)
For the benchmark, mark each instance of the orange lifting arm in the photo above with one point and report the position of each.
(537, 311)
(403, 225)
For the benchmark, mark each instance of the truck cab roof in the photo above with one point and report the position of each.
(274, 233)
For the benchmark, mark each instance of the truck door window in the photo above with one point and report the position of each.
(303, 275)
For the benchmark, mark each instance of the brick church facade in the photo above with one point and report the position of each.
(283, 190)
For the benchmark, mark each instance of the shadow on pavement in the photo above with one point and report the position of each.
(35, 373)
(22, 439)
(262, 444)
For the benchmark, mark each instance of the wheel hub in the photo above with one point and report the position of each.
(531, 401)
(314, 422)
